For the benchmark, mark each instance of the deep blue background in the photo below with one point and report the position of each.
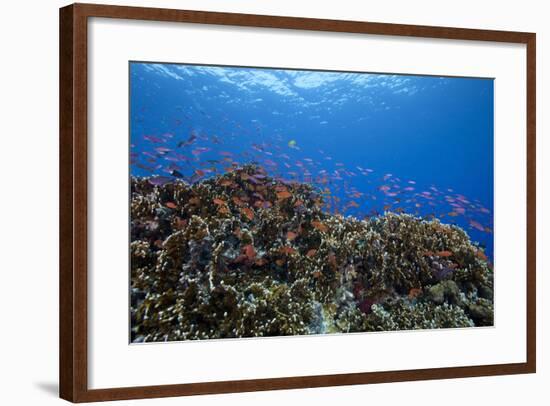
(435, 131)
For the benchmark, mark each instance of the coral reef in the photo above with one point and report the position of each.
(246, 255)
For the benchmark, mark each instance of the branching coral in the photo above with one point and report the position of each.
(245, 255)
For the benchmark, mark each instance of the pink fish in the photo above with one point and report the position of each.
(159, 180)
(162, 150)
(200, 150)
(150, 154)
(476, 225)
(459, 210)
(152, 138)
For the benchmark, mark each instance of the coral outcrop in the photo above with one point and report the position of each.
(246, 255)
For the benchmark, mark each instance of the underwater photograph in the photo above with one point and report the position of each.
(279, 202)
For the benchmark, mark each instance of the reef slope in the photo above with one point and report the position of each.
(246, 255)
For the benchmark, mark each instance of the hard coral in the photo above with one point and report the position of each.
(246, 255)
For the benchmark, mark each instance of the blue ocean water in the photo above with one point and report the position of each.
(372, 142)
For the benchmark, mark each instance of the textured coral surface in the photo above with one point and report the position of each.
(245, 255)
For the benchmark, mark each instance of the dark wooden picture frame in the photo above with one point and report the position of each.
(73, 201)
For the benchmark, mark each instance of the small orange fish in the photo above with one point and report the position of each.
(444, 254)
(480, 254)
(223, 210)
(238, 201)
(287, 250)
(249, 251)
(298, 203)
(171, 205)
(280, 262)
(283, 195)
(219, 202)
(476, 225)
(414, 293)
(248, 213)
(291, 235)
(319, 226)
(311, 253)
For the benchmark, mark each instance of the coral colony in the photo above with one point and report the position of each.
(264, 241)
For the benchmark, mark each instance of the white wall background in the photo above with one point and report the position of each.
(28, 203)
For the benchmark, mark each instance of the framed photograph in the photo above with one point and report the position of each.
(256, 202)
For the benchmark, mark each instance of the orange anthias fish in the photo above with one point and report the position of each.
(226, 182)
(238, 201)
(480, 254)
(414, 293)
(283, 195)
(219, 202)
(311, 253)
(444, 254)
(171, 205)
(287, 250)
(476, 225)
(249, 251)
(248, 213)
(223, 210)
(319, 226)
(290, 235)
